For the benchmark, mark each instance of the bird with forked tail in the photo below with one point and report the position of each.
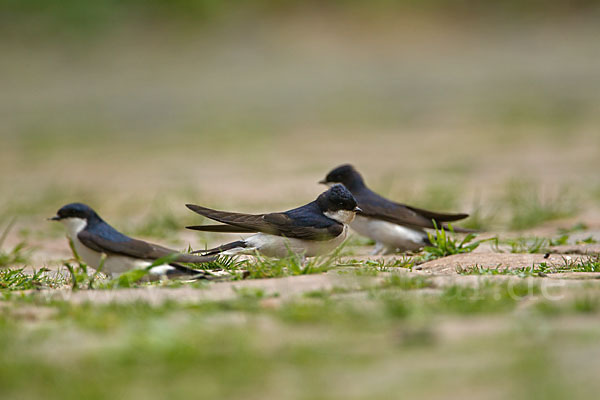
(310, 230)
(92, 237)
(393, 226)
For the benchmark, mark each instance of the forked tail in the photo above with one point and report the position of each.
(222, 248)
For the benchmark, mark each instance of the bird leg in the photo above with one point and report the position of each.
(379, 249)
(303, 260)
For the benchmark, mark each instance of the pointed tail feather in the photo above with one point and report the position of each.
(222, 248)
(439, 217)
(220, 228)
(193, 259)
(174, 270)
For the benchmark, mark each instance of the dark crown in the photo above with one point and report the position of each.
(77, 210)
(345, 174)
(337, 198)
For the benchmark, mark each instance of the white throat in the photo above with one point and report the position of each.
(343, 216)
(74, 226)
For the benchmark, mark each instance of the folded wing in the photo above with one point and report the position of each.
(136, 249)
(401, 214)
(281, 224)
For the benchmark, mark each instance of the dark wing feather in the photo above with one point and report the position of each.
(378, 207)
(441, 217)
(247, 222)
(183, 271)
(301, 223)
(316, 227)
(136, 249)
(220, 228)
(396, 215)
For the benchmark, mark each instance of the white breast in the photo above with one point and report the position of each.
(278, 246)
(342, 216)
(389, 234)
(74, 226)
(113, 264)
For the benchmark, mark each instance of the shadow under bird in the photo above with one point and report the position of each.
(313, 229)
(393, 226)
(93, 237)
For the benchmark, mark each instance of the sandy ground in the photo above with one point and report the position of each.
(251, 120)
(435, 114)
(443, 272)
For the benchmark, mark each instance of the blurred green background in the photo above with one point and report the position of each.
(248, 104)
(138, 107)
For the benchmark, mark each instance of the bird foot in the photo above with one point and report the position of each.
(379, 249)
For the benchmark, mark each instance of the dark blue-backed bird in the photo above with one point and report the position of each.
(393, 226)
(92, 237)
(313, 229)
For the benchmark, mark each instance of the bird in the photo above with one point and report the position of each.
(92, 237)
(393, 226)
(310, 230)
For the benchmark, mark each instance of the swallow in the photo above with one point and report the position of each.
(393, 226)
(92, 237)
(310, 230)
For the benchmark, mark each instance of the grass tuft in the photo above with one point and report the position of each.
(445, 245)
(17, 279)
(373, 267)
(19, 254)
(522, 272)
(580, 264)
(534, 244)
(293, 264)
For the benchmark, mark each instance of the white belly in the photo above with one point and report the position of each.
(391, 235)
(278, 246)
(115, 265)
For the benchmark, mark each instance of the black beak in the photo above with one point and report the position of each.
(323, 182)
(357, 209)
(55, 218)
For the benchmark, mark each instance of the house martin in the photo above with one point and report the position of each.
(93, 237)
(313, 229)
(393, 226)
